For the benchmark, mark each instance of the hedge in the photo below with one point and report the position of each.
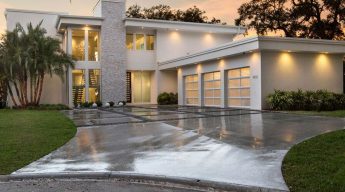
(321, 100)
(167, 99)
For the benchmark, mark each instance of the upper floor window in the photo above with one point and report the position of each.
(85, 45)
(129, 41)
(150, 42)
(94, 45)
(78, 45)
(140, 42)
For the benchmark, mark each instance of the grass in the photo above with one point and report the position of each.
(26, 136)
(317, 165)
(340, 113)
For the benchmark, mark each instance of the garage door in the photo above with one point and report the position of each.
(212, 89)
(239, 87)
(191, 85)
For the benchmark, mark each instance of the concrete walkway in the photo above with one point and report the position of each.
(222, 145)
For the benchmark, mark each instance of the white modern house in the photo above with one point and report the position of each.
(121, 58)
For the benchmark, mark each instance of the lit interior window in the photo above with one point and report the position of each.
(94, 85)
(129, 41)
(150, 42)
(78, 80)
(78, 45)
(140, 42)
(94, 45)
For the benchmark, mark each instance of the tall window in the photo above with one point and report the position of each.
(78, 45)
(94, 45)
(150, 42)
(78, 78)
(191, 84)
(239, 87)
(94, 85)
(129, 41)
(212, 89)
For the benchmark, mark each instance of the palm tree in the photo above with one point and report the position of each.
(27, 57)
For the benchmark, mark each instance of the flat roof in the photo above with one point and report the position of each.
(187, 26)
(34, 11)
(68, 20)
(257, 43)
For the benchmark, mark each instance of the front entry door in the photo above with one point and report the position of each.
(141, 87)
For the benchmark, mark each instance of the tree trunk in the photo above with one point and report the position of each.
(37, 82)
(40, 90)
(17, 92)
(31, 91)
(11, 94)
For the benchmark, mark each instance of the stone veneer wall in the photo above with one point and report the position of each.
(113, 50)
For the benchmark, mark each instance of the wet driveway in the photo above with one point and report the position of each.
(224, 145)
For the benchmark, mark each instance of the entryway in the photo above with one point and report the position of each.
(139, 87)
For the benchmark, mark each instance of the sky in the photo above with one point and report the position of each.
(226, 10)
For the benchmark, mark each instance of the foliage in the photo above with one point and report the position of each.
(86, 105)
(3, 88)
(167, 99)
(320, 100)
(48, 107)
(99, 104)
(316, 19)
(111, 103)
(165, 12)
(317, 165)
(29, 135)
(338, 113)
(27, 56)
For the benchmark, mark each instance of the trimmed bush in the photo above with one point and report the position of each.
(321, 100)
(111, 103)
(167, 99)
(48, 107)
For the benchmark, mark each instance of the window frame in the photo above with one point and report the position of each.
(240, 88)
(186, 89)
(213, 89)
(134, 47)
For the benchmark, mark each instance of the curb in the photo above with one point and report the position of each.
(178, 182)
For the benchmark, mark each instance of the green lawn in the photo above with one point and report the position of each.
(317, 165)
(26, 136)
(340, 113)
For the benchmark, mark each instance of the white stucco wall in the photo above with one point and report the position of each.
(173, 44)
(252, 60)
(54, 90)
(306, 71)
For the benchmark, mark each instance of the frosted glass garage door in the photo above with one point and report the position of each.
(239, 87)
(212, 89)
(191, 85)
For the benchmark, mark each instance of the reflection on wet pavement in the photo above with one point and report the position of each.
(245, 149)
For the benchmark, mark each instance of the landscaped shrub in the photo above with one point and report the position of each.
(111, 103)
(99, 104)
(48, 107)
(320, 100)
(167, 99)
(86, 105)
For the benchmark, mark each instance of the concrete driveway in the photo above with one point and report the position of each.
(233, 146)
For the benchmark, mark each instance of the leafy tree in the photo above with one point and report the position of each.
(317, 19)
(165, 12)
(161, 12)
(26, 58)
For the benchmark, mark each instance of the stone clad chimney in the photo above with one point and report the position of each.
(113, 50)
